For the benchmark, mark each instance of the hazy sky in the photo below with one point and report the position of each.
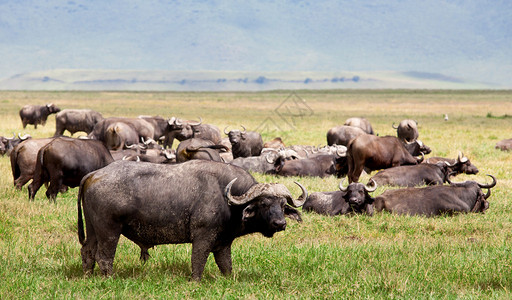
(464, 39)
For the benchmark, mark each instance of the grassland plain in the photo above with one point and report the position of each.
(380, 257)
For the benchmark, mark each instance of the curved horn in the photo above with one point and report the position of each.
(393, 125)
(243, 128)
(178, 122)
(138, 159)
(225, 130)
(341, 187)
(267, 158)
(461, 158)
(130, 146)
(171, 121)
(487, 194)
(341, 154)
(23, 137)
(302, 198)
(368, 189)
(196, 123)
(449, 164)
(125, 157)
(236, 200)
(490, 185)
(419, 160)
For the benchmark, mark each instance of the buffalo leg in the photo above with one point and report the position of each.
(223, 260)
(88, 251)
(54, 187)
(33, 187)
(201, 249)
(21, 181)
(106, 251)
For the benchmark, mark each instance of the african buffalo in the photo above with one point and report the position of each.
(8, 144)
(118, 135)
(183, 130)
(374, 153)
(275, 143)
(64, 161)
(265, 163)
(195, 148)
(414, 175)
(416, 148)
(354, 198)
(75, 120)
(23, 160)
(459, 165)
(244, 143)
(504, 145)
(319, 166)
(37, 114)
(407, 130)
(205, 203)
(342, 135)
(362, 123)
(429, 201)
(143, 128)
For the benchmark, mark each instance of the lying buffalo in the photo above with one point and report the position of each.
(37, 114)
(64, 161)
(205, 203)
(196, 148)
(459, 165)
(319, 166)
(461, 197)
(414, 175)
(354, 198)
(504, 145)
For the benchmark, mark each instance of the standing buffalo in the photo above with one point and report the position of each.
(362, 123)
(462, 197)
(23, 160)
(504, 145)
(407, 130)
(354, 198)
(244, 143)
(374, 153)
(143, 128)
(37, 114)
(205, 203)
(8, 144)
(64, 161)
(342, 135)
(75, 120)
(119, 135)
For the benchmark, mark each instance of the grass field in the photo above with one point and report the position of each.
(384, 256)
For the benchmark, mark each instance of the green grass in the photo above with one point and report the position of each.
(384, 256)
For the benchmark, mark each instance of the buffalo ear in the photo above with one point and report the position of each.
(369, 199)
(249, 212)
(292, 213)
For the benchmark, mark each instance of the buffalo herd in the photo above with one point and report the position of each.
(124, 166)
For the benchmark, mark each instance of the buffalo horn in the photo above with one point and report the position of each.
(490, 185)
(342, 188)
(302, 198)
(393, 125)
(462, 158)
(269, 160)
(239, 200)
(171, 121)
(488, 194)
(418, 159)
(23, 137)
(243, 128)
(225, 130)
(178, 122)
(196, 123)
(371, 189)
